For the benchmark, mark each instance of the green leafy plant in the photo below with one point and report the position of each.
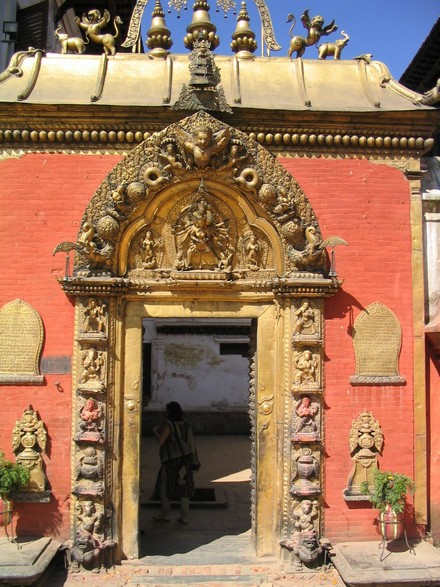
(388, 489)
(13, 476)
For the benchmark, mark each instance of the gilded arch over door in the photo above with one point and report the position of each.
(197, 207)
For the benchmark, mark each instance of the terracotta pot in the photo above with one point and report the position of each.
(390, 524)
(6, 507)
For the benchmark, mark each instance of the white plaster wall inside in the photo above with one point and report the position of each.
(202, 371)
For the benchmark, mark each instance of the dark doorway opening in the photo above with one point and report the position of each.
(205, 365)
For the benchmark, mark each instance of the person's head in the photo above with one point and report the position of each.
(174, 411)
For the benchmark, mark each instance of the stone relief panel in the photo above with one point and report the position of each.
(307, 323)
(306, 419)
(29, 438)
(92, 376)
(89, 472)
(377, 341)
(307, 369)
(21, 342)
(91, 421)
(366, 442)
(94, 322)
(305, 473)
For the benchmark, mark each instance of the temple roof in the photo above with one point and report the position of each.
(262, 83)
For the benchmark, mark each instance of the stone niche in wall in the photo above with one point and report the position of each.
(377, 340)
(21, 342)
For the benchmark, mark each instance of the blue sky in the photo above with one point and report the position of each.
(392, 30)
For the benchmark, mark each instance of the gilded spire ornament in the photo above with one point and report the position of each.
(243, 39)
(158, 36)
(201, 25)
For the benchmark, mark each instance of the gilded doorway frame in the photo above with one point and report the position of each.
(199, 221)
(268, 411)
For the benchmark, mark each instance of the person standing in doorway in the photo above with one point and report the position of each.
(178, 457)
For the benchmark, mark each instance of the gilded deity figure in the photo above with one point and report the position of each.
(95, 317)
(204, 145)
(252, 253)
(201, 235)
(148, 251)
(29, 438)
(305, 424)
(93, 365)
(304, 320)
(306, 368)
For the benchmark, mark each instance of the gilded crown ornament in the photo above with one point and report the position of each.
(201, 26)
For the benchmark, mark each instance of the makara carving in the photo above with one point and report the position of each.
(29, 438)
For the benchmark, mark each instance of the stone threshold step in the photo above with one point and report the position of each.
(211, 581)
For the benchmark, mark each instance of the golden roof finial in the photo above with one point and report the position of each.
(243, 39)
(201, 23)
(158, 36)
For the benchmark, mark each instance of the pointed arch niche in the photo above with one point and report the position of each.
(199, 221)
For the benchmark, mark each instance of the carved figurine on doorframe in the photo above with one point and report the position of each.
(306, 420)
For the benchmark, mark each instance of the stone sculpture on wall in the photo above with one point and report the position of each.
(29, 438)
(377, 340)
(366, 441)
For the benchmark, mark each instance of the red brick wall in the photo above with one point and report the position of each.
(43, 199)
(368, 205)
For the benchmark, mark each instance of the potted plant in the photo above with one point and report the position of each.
(388, 494)
(13, 476)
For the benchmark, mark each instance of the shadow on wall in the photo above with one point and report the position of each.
(341, 305)
(51, 521)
